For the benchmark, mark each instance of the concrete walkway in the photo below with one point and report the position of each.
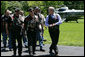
(63, 51)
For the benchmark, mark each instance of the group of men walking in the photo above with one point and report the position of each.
(16, 27)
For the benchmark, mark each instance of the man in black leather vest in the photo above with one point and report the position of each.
(16, 32)
(30, 25)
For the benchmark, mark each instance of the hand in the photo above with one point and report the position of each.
(54, 24)
(51, 25)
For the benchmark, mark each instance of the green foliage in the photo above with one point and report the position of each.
(14, 4)
(35, 3)
(51, 3)
(26, 13)
(3, 6)
(75, 4)
(24, 5)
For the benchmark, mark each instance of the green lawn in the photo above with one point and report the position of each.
(71, 34)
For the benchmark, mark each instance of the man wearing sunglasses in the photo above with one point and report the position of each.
(30, 25)
(16, 32)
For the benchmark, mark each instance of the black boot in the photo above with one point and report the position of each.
(30, 51)
(56, 51)
(34, 53)
(19, 54)
(14, 54)
(51, 53)
(41, 49)
(4, 48)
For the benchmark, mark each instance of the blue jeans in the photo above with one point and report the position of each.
(5, 40)
(39, 37)
(24, 39)
(10, 41)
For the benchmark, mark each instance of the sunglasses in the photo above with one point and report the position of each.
(32, 11)
(50, 10)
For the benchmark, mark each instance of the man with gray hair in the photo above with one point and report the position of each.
(53, 21)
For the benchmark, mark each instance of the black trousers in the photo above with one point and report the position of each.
(31, 35)
(54, 34)
(15, 34)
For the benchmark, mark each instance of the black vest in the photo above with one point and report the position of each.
(16, 23)
(51, 21)
(5, 19)
(31, 23)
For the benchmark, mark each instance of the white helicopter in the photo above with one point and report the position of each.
(70, 15)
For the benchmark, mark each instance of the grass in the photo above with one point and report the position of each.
(71, 34)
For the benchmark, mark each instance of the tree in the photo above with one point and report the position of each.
(75, 4)
(3, 6)
(24, 5)
(51, 3)
(14, 4)
(35, 3)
